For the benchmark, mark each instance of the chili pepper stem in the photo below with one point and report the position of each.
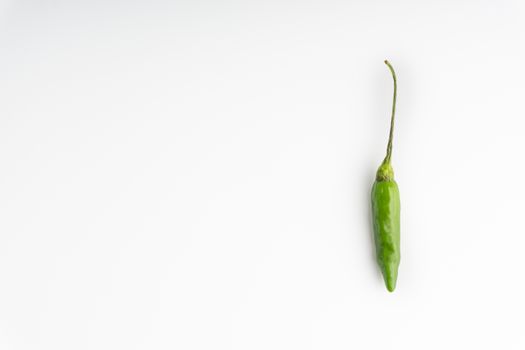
(391, 135)
(385, 171)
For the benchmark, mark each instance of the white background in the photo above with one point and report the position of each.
(196, 174)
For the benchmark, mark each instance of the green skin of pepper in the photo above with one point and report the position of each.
(386, 213)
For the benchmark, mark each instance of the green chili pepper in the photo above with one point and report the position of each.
(385, 209)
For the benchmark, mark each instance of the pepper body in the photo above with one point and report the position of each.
(386, 214)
